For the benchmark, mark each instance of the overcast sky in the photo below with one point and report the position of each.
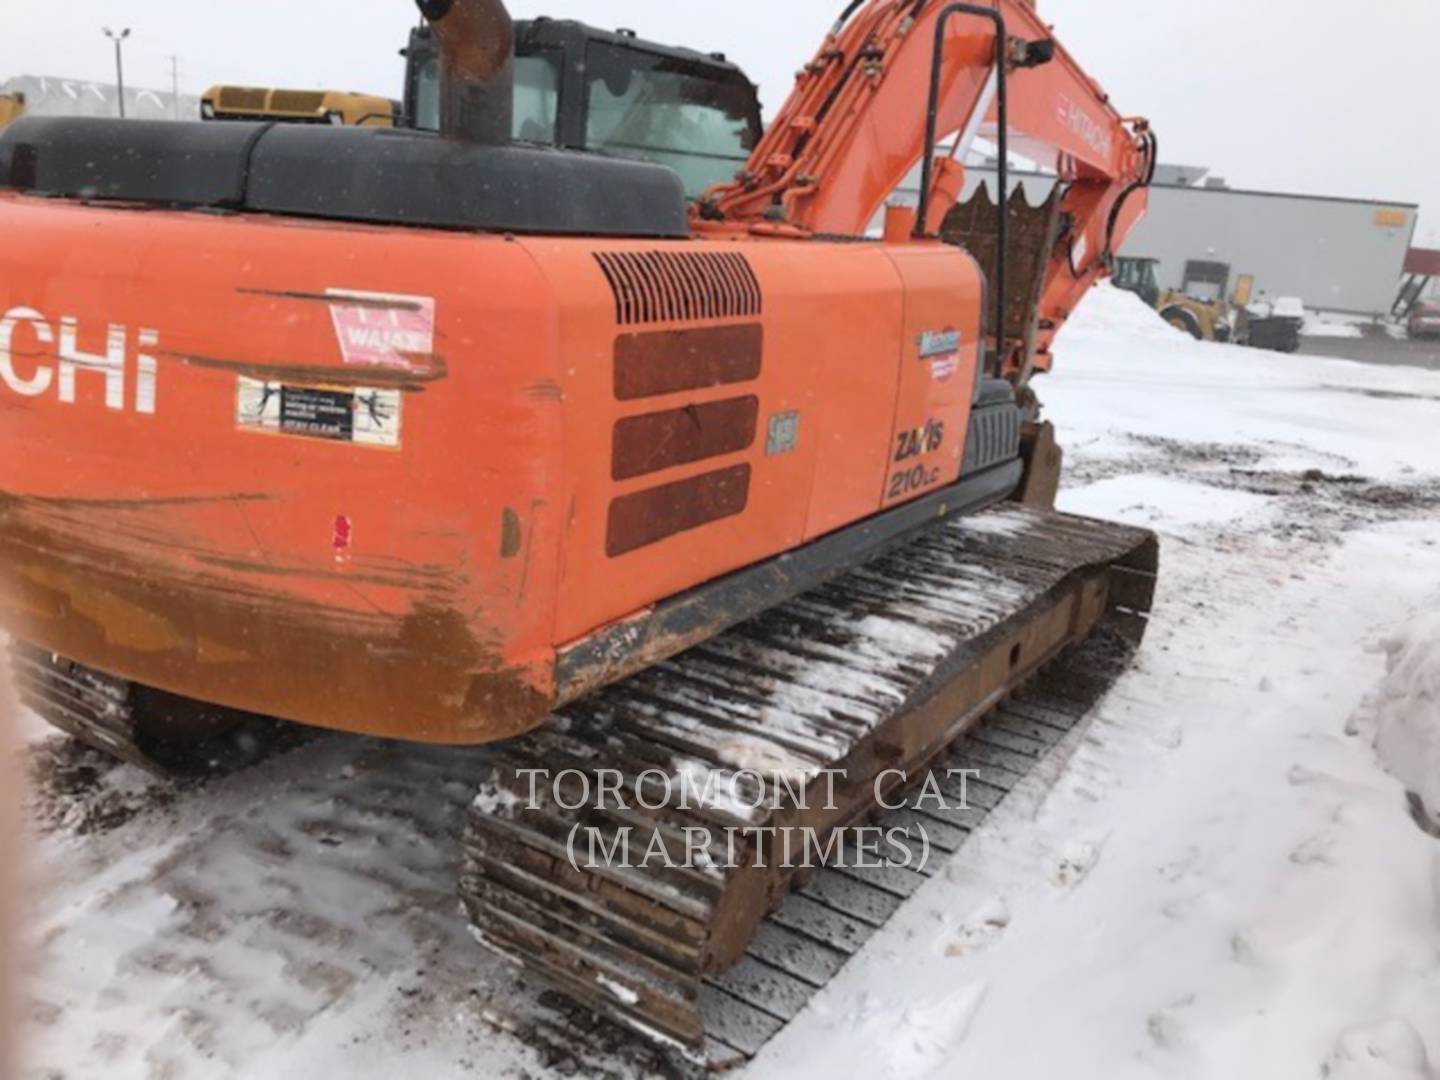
(1314, 96)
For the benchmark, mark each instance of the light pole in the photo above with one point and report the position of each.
(119, 40)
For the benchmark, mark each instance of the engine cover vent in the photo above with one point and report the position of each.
(297, 101)
(243, 97)
(665, 286)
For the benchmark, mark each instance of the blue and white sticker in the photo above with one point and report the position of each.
(941, 350)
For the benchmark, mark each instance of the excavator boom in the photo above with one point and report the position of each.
(895, 80)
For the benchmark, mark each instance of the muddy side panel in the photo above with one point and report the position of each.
(294, 469)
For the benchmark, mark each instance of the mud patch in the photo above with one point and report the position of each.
(1315, 505)
(1200, 454)
(620, 1053)
(1429, 823)
(1320, 506)
(75, 789)
(1382, 395)
(1159, 455)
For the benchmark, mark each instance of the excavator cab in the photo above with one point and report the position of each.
(580, 88)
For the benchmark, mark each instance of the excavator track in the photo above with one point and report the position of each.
(88, 705)
(809, 712)
(166, 736)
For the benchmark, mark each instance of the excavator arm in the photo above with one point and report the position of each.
(894, 80)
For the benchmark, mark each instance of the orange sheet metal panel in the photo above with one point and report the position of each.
(825, 319)
(939, 370)
(372, 478)
(297, 469)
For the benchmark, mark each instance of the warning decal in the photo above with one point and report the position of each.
(384, 329)
(364, 415)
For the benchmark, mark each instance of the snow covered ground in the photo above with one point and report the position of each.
(1223, 881)
(1322, 324)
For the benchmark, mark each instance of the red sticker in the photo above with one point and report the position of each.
(384, 330)
(344, 536)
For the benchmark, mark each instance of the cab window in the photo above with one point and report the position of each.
(537, 97)
(664, 110)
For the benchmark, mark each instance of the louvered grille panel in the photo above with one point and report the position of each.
(240, 97)
(994, 438)
(297, 101)
(674, 286)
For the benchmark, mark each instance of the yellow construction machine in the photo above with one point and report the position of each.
(12, 107)
(1201, 306)
(337, 107)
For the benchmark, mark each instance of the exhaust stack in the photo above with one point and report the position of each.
(477, 68)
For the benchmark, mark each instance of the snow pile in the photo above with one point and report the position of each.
(1404, 714)
(1110, 313)
(1122, 373)
(1392, 1050)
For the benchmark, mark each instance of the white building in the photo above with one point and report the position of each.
(47, 96)
(1341, 255)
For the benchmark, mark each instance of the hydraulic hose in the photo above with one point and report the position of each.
(927, 176)
(855, 5)
(1152, 144)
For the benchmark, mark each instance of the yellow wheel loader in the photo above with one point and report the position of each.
(335, 107)
(1200, 306)
(12, 107)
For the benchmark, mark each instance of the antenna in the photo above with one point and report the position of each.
(175, 84)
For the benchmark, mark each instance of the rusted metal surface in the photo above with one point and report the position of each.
(669, 361)
(826, 682)
(329, 299)
(649, 516)
(1044, 461)
(828, 919)
(653, 442)
(118, 580)
(477, 68)
(684, 621)
(166, 736)
(1031, 240)
(429, 368)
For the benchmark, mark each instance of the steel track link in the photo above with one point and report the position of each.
(166, 736)
(88, 705)
(889, 669)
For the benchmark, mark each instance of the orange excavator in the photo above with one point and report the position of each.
(515, 433)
